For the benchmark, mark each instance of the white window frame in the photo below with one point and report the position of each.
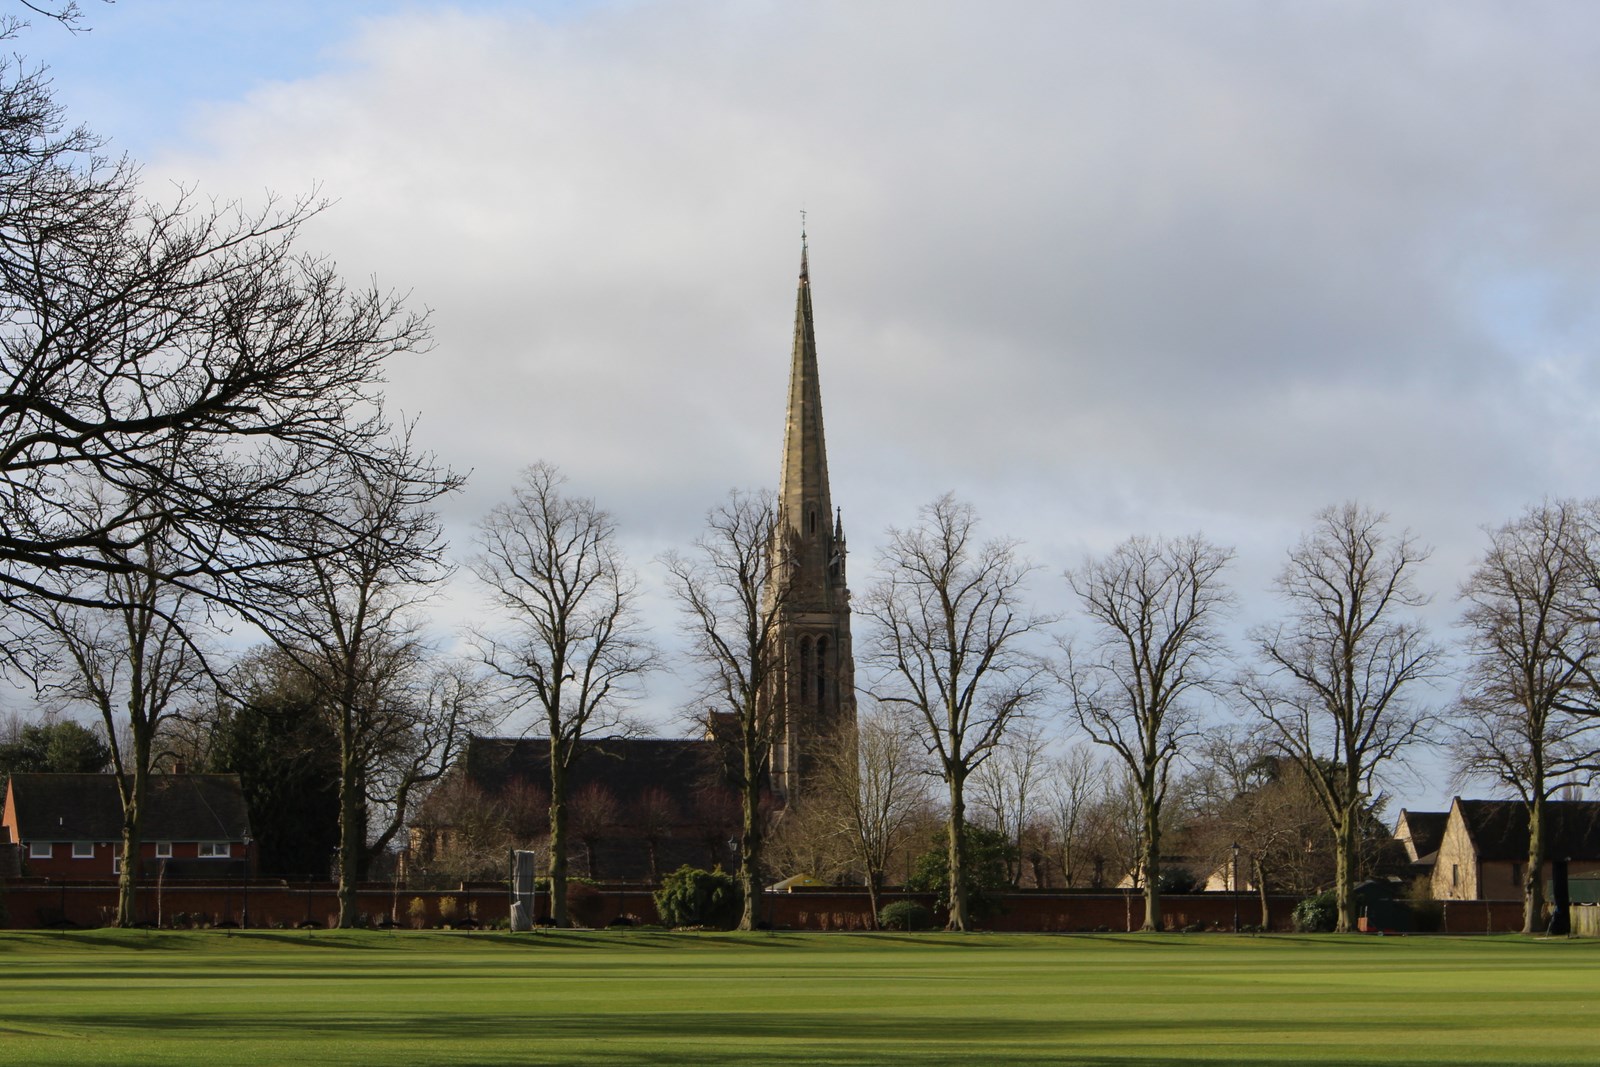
(41, 850)
(78, 848)
(215, 850)
(163, 850)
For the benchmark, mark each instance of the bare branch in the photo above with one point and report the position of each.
(951, 649)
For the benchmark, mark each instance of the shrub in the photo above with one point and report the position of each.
(447, 910)
(1318, 914)
(417, 910)
(904, 915)
(693, 897)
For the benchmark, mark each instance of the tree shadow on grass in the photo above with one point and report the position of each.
(691, 1039)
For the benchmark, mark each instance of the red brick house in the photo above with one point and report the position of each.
(69, 826)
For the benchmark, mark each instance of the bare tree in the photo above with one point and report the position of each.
(127, 645)
(1069, 788)
(1340, 673)
(655, 813)
(951, 652)
(1155, 605)
(733, 593)
(1525, 719)
(1005, 787)
(346, 621)
(1247, 794)
(1113, 832)
(572, 647)
(175, 367)
(595, 812)
(873, 796)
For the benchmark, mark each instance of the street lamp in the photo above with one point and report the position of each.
(245, 917)
(1235, 882)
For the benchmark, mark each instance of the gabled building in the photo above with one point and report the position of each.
(1483, 851)
(1420, 833)
(69, 826)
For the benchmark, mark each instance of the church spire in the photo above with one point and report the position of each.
(803, 480)
(814, 705)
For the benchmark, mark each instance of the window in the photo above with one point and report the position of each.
(215, 850)
(83, 850)
(40, 850)
(116, 859)
(805, 669)
(163, 850)
(822, 672)
(1455, 876)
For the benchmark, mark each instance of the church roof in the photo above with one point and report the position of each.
(627, 767)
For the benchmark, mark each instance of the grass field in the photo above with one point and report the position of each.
(639, 997)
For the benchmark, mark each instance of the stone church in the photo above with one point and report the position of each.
(640, 807)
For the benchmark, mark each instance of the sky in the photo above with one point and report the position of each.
(1100, 269)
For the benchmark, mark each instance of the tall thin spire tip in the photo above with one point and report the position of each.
(805, 270)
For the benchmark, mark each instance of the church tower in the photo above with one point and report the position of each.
(816, 699)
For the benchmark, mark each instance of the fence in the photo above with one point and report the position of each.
(39, 903)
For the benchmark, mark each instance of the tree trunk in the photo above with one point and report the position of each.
(351, 833)
(1344, 844)
(958, 882)
(874, 891)
(133, 795)
(1532, 880)
(1261, 890)
(557, 868)
(1152, 862)
(750, 838)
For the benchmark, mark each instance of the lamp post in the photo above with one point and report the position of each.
(1235, 883)
(245, 915)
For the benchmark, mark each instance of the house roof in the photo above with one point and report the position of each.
(627, 767)
(1499, 829)
(87, 807)
(1424, 830)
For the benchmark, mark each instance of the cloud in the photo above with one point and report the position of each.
(1102, 268)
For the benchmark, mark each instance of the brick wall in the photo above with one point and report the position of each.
(34, 903)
